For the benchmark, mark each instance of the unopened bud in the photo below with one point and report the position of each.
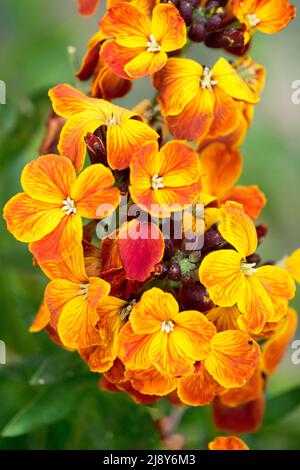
(194, 296)
(197, 31)
(186, 11)
(174, 273)
(261, 231)
(96, 148)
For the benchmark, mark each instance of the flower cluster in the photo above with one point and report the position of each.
(199, 323)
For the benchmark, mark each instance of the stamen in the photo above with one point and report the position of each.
(167, 326)
(69, 206)
(152, 45)
(157, 182)
(207, 80)
(124, 312)
(84, 290)
(112, 120)
(248, 268)
(253, 20)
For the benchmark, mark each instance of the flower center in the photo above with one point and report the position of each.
(69, 206)
(152, 45)
(125, 311)
(248, 268)
(84, 290)
(207, 80)
(167, 326)
(112, 120)
(157, 182)
(253, 20)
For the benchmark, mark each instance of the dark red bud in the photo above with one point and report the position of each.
(174, 273)
(194, 296)
(214, 22)
(96, 148)
(255, 258)
(212, 240)
(197, 31)
(261, 231)
(186, 11)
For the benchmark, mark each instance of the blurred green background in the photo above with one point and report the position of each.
(48, 398)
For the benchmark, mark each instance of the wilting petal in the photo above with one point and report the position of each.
(220, 272)
(227, 443)
(91, 58)
(134, 349)
(168, 27)
(151, 381)
(155, 307)
(224, 318)
(30, 220)
(221, 167)
(61, 242)
(251, 197)
(238, 229)
(145, 63)
(178, 84)
(199, 388)
(48, 179)
(252, 390)
(93, 192)
(274, 349)
(41, 320)
(141, 247)
(243, 419)
(233, 358)
(229, 80)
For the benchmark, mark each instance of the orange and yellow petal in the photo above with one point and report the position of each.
(168, 27)
(226, 114)
(233, 358)
(29, 220)
(251, 391)
(274, 349)
(199, 388)
(220, 272)
(87, 7)
(237, 228)
(67, 101)
(71, 268)
(116, 57)
(227, 443)
(292, 264)
(48, 179)
(224, 318)
(41, 320)
(252, 199)
(151, 381)
(98, 358)
(107, 85)
(145, 63)
(134, 349)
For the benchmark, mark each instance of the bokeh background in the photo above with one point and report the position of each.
(48, 398)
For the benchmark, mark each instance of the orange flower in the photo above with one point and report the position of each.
(151, 381)
(48, 213)
(87, 7)
(251, 391)
(157, 335)
(125, 131)
(198, 101)
(227, 443)
(141, 43)
(72, 298)
(221, 167)
(261, 294)
(267, 16)
(292, 264)
(164, 181)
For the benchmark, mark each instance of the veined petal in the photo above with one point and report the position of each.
(134, 349)
(41, 320)
(199, 388)
(168, 27)
(229, 80)
(220, 272)
(226, 114)
(48, 179)
(145, 63)
(221, 166)
(178, 84)
(252, 199)
(224, 318)
(93, 192)
(179, 164)
(58, 292)
(155, 307)
(233, 358)
(151, 381)
(110, 319)
(99, 358)
(237, 228)
(98, 289)
(67, 101)
(227, 443)
(116, 57)
(30, 220)
(71, 268)
(251, 391)
(61, 242)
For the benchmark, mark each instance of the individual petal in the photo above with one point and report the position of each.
(110, 311)
(61, 242)
(226, 114)
(87, 7)
(91, 57)
(94, 193)
(274, 349)
(125, 140)
(255, 305)
(141, 247)
(274, 15)
(224, 318)
(280, 287)
(229, 80)
(145, 63)
(233, 358)
(252, 199)
(107, 84)
(168, 27)
(137, 397)
(221, 166)
(58, 292)
(227, 443)
(196, 117)
(237, 228)
(155, 307)
(220, 272)
(71, 143)
(129, 25)
(98, 289)
(199, 388)
(98, 358)
(76, 324)
(71, 268)
(251, 391)
(41, 320)
(242, 419)
(179, 164)
(151, 381)
(134, 349)
(116, 57)
(67, 101)
(178, 84)
(48, 179)
(30, 220)
(292, 264)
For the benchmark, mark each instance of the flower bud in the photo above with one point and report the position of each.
(96, 148)
(194, 296)
(197, 31)
(174, 273)
(186, 11)
(261, 231)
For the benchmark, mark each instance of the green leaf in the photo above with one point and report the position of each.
(281, 405)
(52, 404)
(61, 365)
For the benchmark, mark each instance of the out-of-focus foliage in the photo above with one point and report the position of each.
(49, 400)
